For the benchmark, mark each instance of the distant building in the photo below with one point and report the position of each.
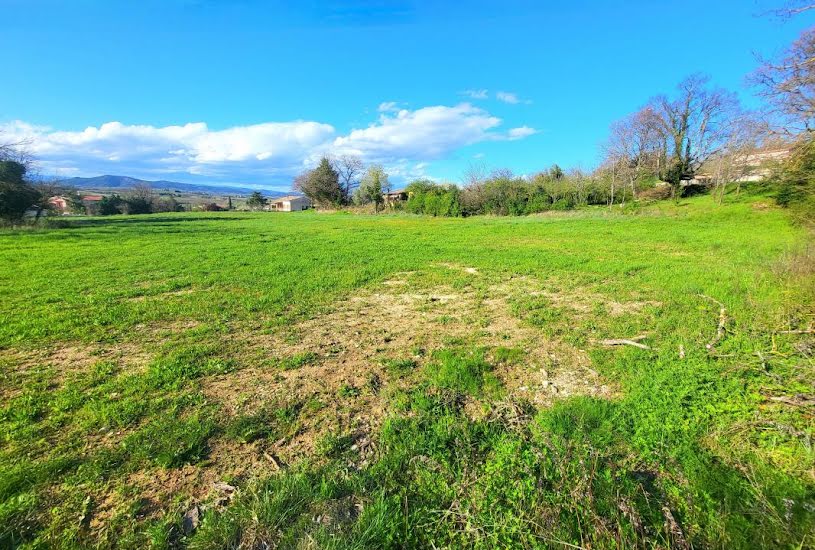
(60, 205)
(759, 165)
(291, 203)
(91, 203)
(397, 195)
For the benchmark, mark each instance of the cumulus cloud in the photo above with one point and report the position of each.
(190, 148)
(424, 134)
(401, 138)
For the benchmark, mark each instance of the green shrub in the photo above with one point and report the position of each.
(427, 197)
(794, 179)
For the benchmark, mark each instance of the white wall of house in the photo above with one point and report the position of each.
(290, 204)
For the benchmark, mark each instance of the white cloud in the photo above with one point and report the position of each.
(507, 97)
(520, 132)
(424, 134)
(475, 94)
(403, 139)
(387, 106)
(192, 148)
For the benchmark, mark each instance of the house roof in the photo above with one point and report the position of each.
(289, 198)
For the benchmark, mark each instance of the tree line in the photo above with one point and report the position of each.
(139, 199)
(697, 138)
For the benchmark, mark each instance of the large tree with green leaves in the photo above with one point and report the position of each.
(374, 183)
(256, 201)
(16, 194)
(321, 185)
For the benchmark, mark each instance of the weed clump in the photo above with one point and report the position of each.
(466, 372)
(171, 442)
(267, 423)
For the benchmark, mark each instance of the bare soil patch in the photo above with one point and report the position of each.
(63, 362)
(351, 344)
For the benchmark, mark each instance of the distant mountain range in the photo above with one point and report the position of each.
(124, 182)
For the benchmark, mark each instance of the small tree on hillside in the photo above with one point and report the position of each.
(374, 183)
(16, 195)
(256, 201)
(321, 185)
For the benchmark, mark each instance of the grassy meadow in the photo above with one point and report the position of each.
(328, 380)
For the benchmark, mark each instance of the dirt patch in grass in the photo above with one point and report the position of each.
(62, 362)
(464, 268)
(158, 488)
(345, 384)
(163, 295)
(586, 302)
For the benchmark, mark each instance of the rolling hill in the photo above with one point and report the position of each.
(124, 182)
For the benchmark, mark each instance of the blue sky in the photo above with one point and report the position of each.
(251, 91)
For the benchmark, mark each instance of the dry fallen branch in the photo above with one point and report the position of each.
(721, 329)
(625, 342)
(674, 529)
(796, 401)
(272, 459)
(801, 331)
(798, 434)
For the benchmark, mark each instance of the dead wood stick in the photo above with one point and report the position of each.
(720, 330)
(271, 459)
(797, 401)
(624, 342)
(801, 331)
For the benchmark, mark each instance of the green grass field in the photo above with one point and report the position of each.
(346, 381)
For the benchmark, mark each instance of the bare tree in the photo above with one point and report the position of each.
(792, 8)
(739, 158)
(788, 85)
(625, 151)
(476, 173)
(502, 173)
(695, 124)
(140, 199)
(17, 151)
(143, 191)
(636, 147)
(350, 169)
(300, 183)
